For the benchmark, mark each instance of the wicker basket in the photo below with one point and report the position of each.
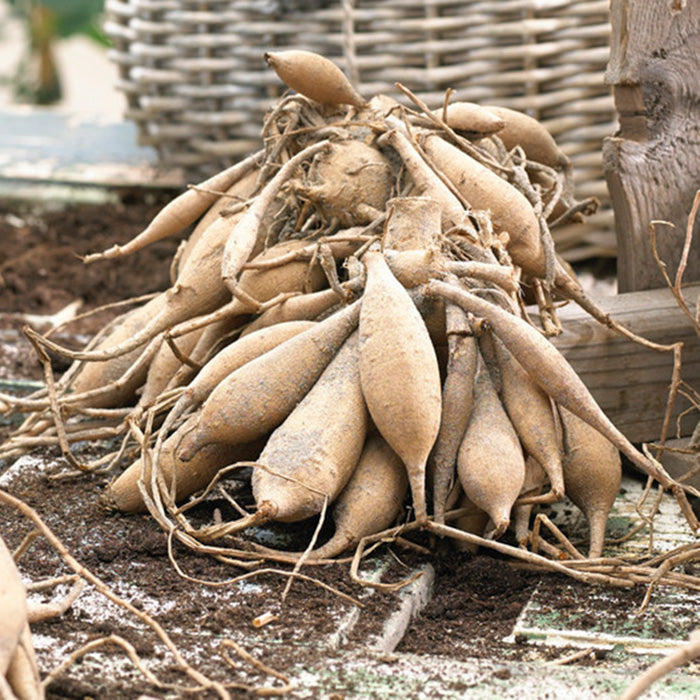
(197, 85)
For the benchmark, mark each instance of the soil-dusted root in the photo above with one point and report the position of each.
(568, 287)
(457, 398)
(258, 396)
(425, 179)
(343, 244)
(535, 481)
(13, 603)
(471, 118)
(490, 461)
(548, 187)
(182, 211)
(257, 286)
(501, 275)
(229, 359)
(371, 501)
(92, 375)
(531, 135)
(474, 520)
(383, 106)
(410, 245)
(412, 223)
(297, 308)
(314, 76)
(312, 455)
(553, 373)
(349, 183)
(592, 474)
(399, 373)
(262, 284)
(19, 674)
(23, 674)
(248, 234)
(414, 267)
(434, 314)
(224, 207)
(197, 290)
(483, 189)
(492, 147)
(185, 478)
(310, 306)
(530, 411)
(213, 337)
(163, 367)
(410, 237)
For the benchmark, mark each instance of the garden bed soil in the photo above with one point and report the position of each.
(40, 264)
(475, 603)
(476, 599)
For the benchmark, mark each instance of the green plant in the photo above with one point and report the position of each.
(37, 79)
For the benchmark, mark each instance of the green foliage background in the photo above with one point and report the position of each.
(72, 16)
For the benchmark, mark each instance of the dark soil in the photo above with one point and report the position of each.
(39, 263)
(477, 598)
(41, 273)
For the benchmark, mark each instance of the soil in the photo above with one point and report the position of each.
(40, 265)
(476, 600)
(41, 271)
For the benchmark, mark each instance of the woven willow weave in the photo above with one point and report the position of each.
(197, 85)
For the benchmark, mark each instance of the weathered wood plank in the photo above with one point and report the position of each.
(629, 381)
(652, 165)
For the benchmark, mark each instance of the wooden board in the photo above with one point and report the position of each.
(629, 381)
(652, 165)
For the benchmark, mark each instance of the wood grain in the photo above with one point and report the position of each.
(652, 165)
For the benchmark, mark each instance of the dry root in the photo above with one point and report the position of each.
(401, 224)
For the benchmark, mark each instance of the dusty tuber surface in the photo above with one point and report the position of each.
(371, 225)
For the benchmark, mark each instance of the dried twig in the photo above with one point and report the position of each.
(674, 660)
(260, 666)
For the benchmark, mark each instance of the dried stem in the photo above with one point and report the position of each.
(260, 666)
(681, 656)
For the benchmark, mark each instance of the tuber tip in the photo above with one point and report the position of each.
(187, 453)
(500, 527)
(114, 251)
(107, 501)
(191, 443)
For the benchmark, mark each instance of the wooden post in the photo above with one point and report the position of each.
(652, 165)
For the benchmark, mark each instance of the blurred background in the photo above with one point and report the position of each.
(53, 54)
(116, 91)
(63, 130)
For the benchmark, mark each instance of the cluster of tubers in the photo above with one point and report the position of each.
(347, 318)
